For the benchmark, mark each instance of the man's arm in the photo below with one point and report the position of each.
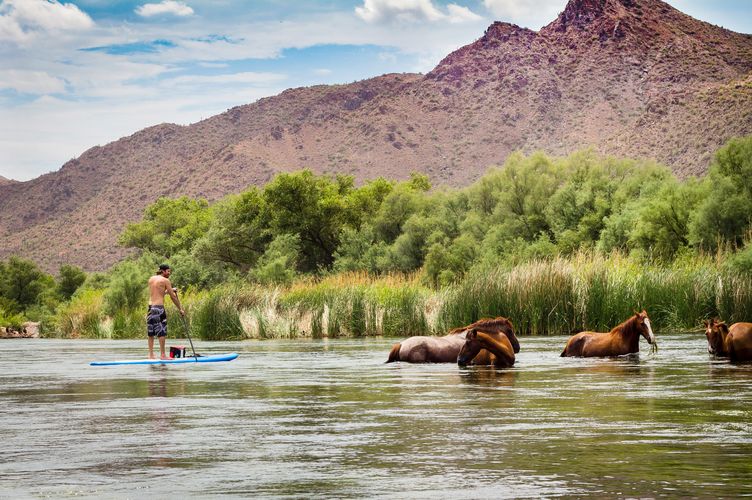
(174, 297)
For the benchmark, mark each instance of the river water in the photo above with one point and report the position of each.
(328, 419)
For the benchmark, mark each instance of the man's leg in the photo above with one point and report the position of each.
(151, 347)
(162, 347)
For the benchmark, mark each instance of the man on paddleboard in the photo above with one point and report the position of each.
(156, 317)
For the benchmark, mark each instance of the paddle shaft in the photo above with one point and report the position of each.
(187, 332)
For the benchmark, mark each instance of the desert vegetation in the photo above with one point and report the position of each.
(556, 244)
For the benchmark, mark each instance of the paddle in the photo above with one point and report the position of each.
(187, 332)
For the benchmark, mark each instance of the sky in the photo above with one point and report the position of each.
(81, 73)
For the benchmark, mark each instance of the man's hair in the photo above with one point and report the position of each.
(163, 268)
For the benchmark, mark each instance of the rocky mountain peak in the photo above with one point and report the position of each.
(586, 15)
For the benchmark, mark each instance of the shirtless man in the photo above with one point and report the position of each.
(156, 318)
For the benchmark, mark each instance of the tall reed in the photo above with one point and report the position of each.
(595, 292)
(216, 317)
(82, 317)
(587, 291)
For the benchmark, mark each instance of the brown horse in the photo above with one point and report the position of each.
(734, 341)
(623, 339)
(422, 349)
(501, 352)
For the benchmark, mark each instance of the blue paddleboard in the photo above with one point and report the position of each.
(171, 361)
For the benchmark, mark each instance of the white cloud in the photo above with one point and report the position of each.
(229, 79)
(412, 11)
(30, 82)
(460, 14)
(322, 72)
(165, 7)
(20, 20)
(32, 142)
(106, 96)
(529, 13)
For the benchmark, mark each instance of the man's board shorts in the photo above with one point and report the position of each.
(156, 321)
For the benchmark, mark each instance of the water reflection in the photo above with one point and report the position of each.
(487, 376)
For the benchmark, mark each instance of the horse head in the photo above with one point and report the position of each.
(470, 348)
(643, 325)
(496, 342)
(715, 332)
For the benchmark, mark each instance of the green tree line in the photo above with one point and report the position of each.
(532, 207)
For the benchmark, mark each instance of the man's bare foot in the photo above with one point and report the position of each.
(151, 356)
(164, 357)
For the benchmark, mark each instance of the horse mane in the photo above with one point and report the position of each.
(484, 324)
(627, 326)
(723, 327)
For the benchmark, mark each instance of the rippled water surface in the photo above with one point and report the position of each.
(330, 419)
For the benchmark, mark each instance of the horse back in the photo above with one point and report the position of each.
(739, 342)
(424, 349)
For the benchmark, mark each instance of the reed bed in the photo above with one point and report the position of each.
(82, 317)
(355, 305)
(587, 291)
(594, 292)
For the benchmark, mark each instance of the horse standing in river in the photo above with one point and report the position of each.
(735, 341)
(423, 349)
(497, 344)
(623, 339)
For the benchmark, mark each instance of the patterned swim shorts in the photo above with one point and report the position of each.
(156, 321)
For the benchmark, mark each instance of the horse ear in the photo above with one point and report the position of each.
(472, 334)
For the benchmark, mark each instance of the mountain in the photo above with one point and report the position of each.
(634, 78)
(3, 181)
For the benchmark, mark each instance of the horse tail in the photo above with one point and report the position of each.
(574, 347)
(394, 353)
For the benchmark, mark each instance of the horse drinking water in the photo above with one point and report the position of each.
(422, 349)
(734, 341)
(496, 344)
(623, 339)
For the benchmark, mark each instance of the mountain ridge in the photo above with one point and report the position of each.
(633, 78)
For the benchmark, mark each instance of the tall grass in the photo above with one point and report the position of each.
(594, 292)
(82, 317)
(587, 291)
(356, 304)
(216, 317)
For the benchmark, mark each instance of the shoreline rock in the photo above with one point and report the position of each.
(29, 330)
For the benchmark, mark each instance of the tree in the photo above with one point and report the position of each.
(397, 207)
(526, 185)
(661, 226)
(169, 226)
(238, 233)
(314, 209)
(726, 214)
(126, 291)
(278, 264)
(359, 251)
(22, 282)
(70, 279)
(577, 209)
